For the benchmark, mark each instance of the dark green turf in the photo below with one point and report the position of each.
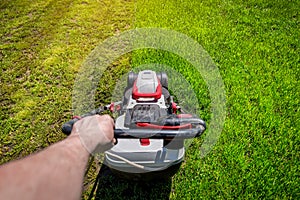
(255, 44)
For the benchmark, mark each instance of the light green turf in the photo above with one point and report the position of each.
(42, 45)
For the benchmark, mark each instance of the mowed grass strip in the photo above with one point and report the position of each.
(43, 44)
(255, 44)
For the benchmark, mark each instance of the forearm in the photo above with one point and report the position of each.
(54, 173)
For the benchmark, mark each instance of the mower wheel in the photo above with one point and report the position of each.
(162, 76)
(131, 78)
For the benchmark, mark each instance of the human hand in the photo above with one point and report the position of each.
(96, 132)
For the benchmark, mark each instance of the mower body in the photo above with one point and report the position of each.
(145, 102)
(150, 129)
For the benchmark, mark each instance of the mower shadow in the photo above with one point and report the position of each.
(111, 186)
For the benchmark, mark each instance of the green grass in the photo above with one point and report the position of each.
(255, 45)
(43, 43)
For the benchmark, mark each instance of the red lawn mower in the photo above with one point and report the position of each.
(150, 129)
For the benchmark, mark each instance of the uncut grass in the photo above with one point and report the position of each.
(255, 44)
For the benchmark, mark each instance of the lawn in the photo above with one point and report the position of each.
(43, 44)
(254, 44)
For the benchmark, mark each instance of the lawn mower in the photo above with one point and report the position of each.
(150, 129)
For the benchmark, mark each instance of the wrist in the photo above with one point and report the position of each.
(74, 144)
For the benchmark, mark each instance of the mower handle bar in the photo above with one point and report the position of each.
(159, 133)
(146, 132)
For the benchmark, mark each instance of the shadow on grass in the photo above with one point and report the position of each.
(111, 186)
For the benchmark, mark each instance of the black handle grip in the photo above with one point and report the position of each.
(68, 126)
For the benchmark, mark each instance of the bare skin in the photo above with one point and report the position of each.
(57, 172)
